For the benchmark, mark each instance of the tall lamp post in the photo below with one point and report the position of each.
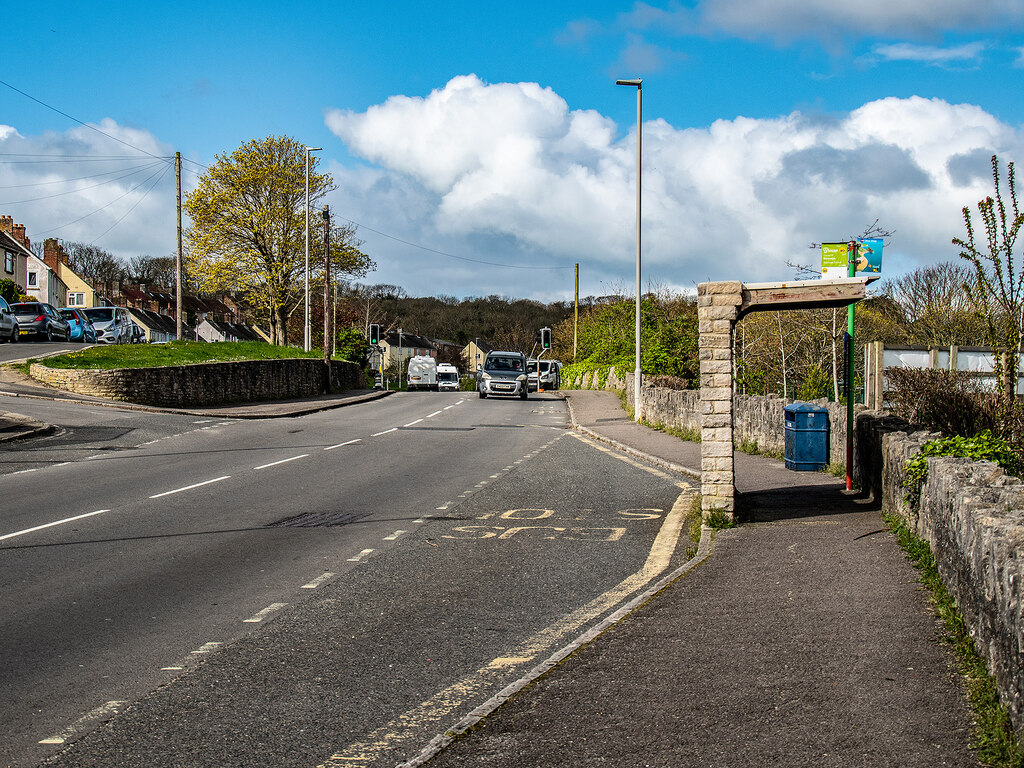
(637, 83)
(305, 344)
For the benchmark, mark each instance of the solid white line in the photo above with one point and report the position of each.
(189, 487)
(318, 581)
(272, 608)
(55, 522)
(25, 471)
(412, 422)
(394, 535)
(432, 415)
(339, 445)
(360, 556)
(378, 434)
(282, 461)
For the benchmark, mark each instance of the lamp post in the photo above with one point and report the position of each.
(637, 83)
(305, 344)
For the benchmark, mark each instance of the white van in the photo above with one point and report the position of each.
(447, 377)
(113, 324)
(422, 372)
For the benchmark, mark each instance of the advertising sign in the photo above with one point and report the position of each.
(834, 260)
(869, 255)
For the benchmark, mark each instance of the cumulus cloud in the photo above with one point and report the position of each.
(507, 172)
(107, 184)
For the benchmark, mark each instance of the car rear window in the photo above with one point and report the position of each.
(100, 313)
(25, 308)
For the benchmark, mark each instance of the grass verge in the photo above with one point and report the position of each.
(993, 737)
(109, 356)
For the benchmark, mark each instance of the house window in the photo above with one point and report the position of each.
(9, 262)
(76, 299)
(32, 282)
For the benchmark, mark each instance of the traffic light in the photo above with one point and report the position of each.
(374, 334)
(545, 338)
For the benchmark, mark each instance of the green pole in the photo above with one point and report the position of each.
(851, 252)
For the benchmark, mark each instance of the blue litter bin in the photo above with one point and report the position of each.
(806, 437)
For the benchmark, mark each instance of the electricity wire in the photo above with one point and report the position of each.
(82, 189)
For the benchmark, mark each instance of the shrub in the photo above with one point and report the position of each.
(983, 447)
(950, 402)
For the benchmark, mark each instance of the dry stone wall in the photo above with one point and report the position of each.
(183, 386)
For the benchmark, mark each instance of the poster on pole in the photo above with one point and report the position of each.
(834, 261)
(869, 255)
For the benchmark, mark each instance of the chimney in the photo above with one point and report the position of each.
(51, 253)
(19, 235)
(7, 224)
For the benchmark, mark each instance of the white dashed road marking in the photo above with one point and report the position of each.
(360, 556)
(339, 445)
(51, 525)
(272, 608)
(318, 581)
(282, 461)
(190, 487)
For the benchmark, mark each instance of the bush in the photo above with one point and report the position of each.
(668, 382)
(950, 402)
(983, 447)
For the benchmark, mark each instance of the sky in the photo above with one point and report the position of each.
(484, 148)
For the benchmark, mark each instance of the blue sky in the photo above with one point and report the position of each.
(494, 132)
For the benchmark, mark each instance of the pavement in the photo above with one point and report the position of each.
(798, 638)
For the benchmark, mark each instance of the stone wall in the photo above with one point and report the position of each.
(183, 386)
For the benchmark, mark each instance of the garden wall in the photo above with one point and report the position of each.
(184, 386)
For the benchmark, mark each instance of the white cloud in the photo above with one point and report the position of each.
(929, 54)
(508, 173)
(787, 20)
(82, 185)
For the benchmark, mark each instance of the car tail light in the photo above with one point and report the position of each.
(39, 319)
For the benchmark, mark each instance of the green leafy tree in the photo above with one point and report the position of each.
(998, 282)
(248, 229)
(352, 346)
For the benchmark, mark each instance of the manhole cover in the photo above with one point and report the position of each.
(319, 520)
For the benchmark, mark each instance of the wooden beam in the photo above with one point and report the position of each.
(803, 294)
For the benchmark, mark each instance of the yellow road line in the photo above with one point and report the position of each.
(444, 702)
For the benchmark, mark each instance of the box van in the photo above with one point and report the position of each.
(447, 377)
(422, 372)
(112, 324)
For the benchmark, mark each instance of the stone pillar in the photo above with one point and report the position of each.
(718, 306)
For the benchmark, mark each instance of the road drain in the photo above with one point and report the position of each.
(319, 520)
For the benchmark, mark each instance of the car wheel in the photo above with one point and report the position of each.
(49, 333)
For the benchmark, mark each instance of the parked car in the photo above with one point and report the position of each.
(37, 318)
(503, 373)
(81, 326)
(138, 334)
(113, 324)
(8, 322)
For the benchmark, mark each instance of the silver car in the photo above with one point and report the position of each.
(503, 373)
(113, 324)
(8, 322)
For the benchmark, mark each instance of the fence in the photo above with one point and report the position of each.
(878, 357)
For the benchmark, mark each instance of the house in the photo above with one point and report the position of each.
(14, 247)
(44, 284)
(79, 292)
(159, 328)
(473, 354)
(217, 330)
(400, 346)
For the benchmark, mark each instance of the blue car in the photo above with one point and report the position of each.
(82, 329)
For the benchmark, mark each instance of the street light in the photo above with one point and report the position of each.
(305, 344)
(637, 83)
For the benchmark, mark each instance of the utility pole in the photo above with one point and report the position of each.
(177, 261)
(327, 284)
(852, 272)
(576, 311)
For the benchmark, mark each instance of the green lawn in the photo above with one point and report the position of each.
(107, 356)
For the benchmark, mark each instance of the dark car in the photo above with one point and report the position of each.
(37, 318)
(8, 322)
(81, 326)
(138, 334)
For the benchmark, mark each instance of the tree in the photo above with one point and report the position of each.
(998, 284)
(248, 229)
(152, 270)
(95, 263)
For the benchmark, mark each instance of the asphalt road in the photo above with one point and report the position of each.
(22, 350)
(327, 590)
